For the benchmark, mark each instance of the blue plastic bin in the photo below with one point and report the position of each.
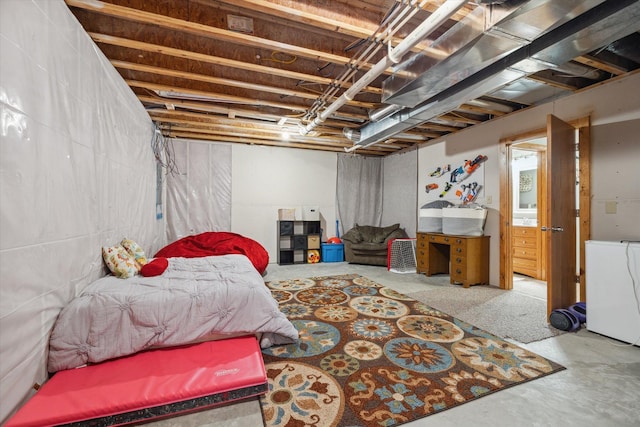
(332, 252)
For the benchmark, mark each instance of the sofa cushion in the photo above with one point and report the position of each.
(398, 233)
(369, 249)
(382, 233)
(354, 235)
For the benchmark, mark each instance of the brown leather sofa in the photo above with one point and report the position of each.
(367, 244)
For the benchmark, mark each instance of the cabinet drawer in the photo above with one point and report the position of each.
(436, 238)
(525, 231)
(458, 273)
(519, 263)
(458, 261)
(523, 242)
(421, 240)
(524, 252)
(458, 250)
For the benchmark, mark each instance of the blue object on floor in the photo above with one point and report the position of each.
(563, 319)
(579, 310)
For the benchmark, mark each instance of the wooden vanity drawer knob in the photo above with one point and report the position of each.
(458, 260)
(458, 250)
(458, 271)
(446, 239)
(458, 241)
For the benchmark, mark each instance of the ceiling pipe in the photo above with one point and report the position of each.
(386, 111)
(351, 134)
(437, 18)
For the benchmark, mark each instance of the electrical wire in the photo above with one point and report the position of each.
(274, 58)
(164, 152)
(634, 286)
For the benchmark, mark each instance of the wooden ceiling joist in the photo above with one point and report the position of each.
(181, 93)
(550, 82)
(322, 22)
(225, 82)
(207, 107)
(601, 65)
(198, 79)
(201, 30)
(375, 151)
(216, 60)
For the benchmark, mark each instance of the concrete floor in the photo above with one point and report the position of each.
(600, 387)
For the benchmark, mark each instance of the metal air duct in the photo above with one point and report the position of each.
(596, 27)
(482, 38)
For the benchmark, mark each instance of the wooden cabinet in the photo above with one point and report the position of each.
(525, 253)
(297, 240)
(464, 258)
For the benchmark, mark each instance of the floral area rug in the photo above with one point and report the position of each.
(370, 356)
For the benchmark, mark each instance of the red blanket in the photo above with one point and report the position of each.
(217, 243)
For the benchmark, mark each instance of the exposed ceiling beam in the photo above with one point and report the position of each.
(375, 151)
(542, 78)
(235, 112)
(216, 60)
(124, 65)
(616, 70)
(215, 97)
(219, 34)
(225, 82)
(324, 22)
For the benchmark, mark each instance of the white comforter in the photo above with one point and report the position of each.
(192, 300)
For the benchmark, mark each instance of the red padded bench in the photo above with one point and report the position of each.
(149, 385)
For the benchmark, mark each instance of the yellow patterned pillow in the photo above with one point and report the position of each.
(119, 261)
(135, 251)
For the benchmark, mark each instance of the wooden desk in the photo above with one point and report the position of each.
(467, 257)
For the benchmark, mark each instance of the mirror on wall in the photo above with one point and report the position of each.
(527, 189)
(524, 167)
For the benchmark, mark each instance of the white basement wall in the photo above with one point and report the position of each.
(614, 109)
(76, 174)
(265, 179)
(615, 174)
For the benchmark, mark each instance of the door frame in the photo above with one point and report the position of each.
(583, 125)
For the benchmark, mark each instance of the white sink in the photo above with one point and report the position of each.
(524, 222)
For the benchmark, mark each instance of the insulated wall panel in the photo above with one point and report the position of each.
(76, 173)
(199, 190)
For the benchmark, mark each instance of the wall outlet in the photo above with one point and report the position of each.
(610, 207)
(488, 200)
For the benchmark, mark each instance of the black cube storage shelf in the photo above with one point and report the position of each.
(293, 238)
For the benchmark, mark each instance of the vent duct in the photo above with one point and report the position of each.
(482, 38)
(436, 94)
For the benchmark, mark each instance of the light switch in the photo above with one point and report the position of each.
(610, 207)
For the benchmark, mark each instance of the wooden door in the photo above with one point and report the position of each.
(559, 229)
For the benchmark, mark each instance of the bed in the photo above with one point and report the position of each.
(193, 300)
(217, 243)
